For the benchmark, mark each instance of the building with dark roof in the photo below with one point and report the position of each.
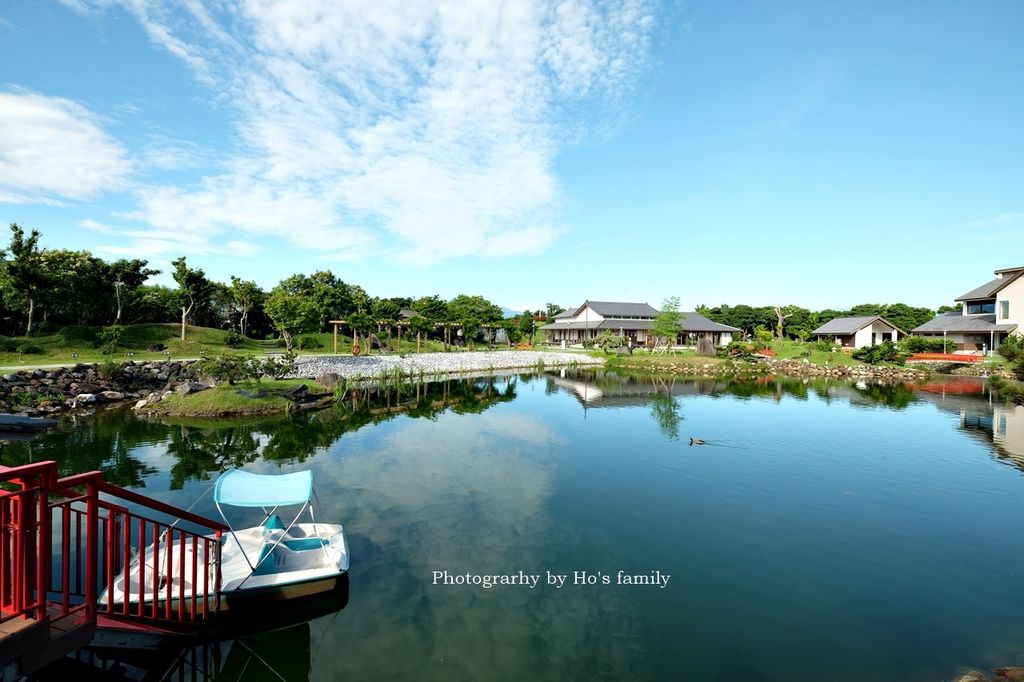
(858, 332)
(988, 314)
(631, 321)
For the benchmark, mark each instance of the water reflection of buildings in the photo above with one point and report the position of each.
(596, 389)
(997, 423)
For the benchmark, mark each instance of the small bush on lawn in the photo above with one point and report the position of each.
(77, 335)
(887, 351)
(310, 343)
(233, 339)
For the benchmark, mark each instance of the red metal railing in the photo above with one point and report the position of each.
(946, 357)
(62, 535)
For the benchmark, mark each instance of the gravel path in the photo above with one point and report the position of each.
(435, 363)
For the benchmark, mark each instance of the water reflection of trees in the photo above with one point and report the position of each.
(597, 388)
(111, 440)
(665, 411)
(104, 441)
(204, 452)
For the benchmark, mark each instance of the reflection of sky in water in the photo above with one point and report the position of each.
(829, 533)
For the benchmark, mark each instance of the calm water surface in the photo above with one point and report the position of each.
(824, 532)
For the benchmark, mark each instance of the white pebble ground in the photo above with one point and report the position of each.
(434, 363)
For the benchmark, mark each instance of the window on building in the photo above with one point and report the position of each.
(981, 308)
(1004, 310)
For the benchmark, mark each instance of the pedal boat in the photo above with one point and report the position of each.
(270, 563)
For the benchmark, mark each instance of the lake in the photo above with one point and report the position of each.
(823, 531)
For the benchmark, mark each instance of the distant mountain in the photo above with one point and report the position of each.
(508, 312)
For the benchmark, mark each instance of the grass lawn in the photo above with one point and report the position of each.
(225, 399)
(136, 340)
(787, 349)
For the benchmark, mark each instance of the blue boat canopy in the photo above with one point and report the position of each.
(243, 489)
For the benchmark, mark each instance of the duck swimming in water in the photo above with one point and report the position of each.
(696, 441)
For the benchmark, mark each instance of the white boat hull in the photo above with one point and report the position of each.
(305, 561)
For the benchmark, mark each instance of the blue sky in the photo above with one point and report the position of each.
(815, 153)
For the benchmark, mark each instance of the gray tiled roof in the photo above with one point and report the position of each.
(564, 314)
(957, 322)
(843, 326)
(989, 289)
(695, 322)
(619, 309)
(986, 290)
(691, 322)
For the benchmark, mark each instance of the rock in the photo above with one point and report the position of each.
(1015, 673)
(113, 396)
(328, 380)
(162, 376)
(250, 394)
(297, 393)
(189, 387)
(85, 398)
(10, 377)
(971, 676)
(142, 403)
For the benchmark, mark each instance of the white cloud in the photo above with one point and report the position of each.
(423, 130)
(94, 226)
(52, 147)
(1003, 219)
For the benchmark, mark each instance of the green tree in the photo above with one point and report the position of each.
(126, 276)
(362, 324)
(291, 309)
(431, 307)
(472, 313)
(1012, 348)
(245, 294)
(665, 326)
(193, 288)
(554, 309)
(421, 325)
(331, 297)
(23, 272)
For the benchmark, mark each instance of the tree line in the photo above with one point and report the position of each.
(797, 323)
(44, 290)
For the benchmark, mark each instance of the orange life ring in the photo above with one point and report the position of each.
(356, 350)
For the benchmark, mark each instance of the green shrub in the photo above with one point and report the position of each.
(1012, 348)
(739, 350)
(77, 335)
(28, 349)
(110, 338)
(107, 369)
(763, 337)
(924, 344)
(825, 346)
(310, 343)
(233, 339)
(8, 345)
(887, 351)
(232, 368)
(608, 342)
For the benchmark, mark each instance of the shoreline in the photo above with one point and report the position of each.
(434, 365)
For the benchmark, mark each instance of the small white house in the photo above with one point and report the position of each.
(858, 332)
